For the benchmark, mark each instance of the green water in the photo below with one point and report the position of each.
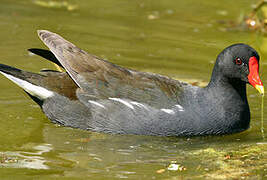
(177, 38)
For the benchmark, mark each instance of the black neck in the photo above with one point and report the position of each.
(232, 98)
(224, 84)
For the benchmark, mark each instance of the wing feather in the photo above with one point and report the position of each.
(100, 79)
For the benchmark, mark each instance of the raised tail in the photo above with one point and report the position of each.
(48, 55)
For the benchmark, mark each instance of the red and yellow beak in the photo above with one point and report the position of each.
(253, 77)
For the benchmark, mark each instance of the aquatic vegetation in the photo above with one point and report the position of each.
(255, 20)
(223, 164)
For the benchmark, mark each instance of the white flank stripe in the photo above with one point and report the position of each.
(180, 108)
(169, 111)
(34, 90)
(138, 104)
(123, 102)
(96, 103)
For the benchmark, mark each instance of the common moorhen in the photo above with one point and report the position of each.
(96, 95)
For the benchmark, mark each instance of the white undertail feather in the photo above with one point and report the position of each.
(32, 89)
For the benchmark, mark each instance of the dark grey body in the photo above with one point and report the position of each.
(222, 115)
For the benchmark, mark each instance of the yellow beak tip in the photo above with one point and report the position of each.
(260, 88)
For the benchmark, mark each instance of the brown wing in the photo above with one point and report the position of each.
(100, 79)
(59, 82)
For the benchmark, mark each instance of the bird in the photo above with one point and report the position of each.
(96, 95)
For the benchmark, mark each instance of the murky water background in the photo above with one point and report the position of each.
(176, 38)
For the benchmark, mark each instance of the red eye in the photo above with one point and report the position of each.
(238, 61)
